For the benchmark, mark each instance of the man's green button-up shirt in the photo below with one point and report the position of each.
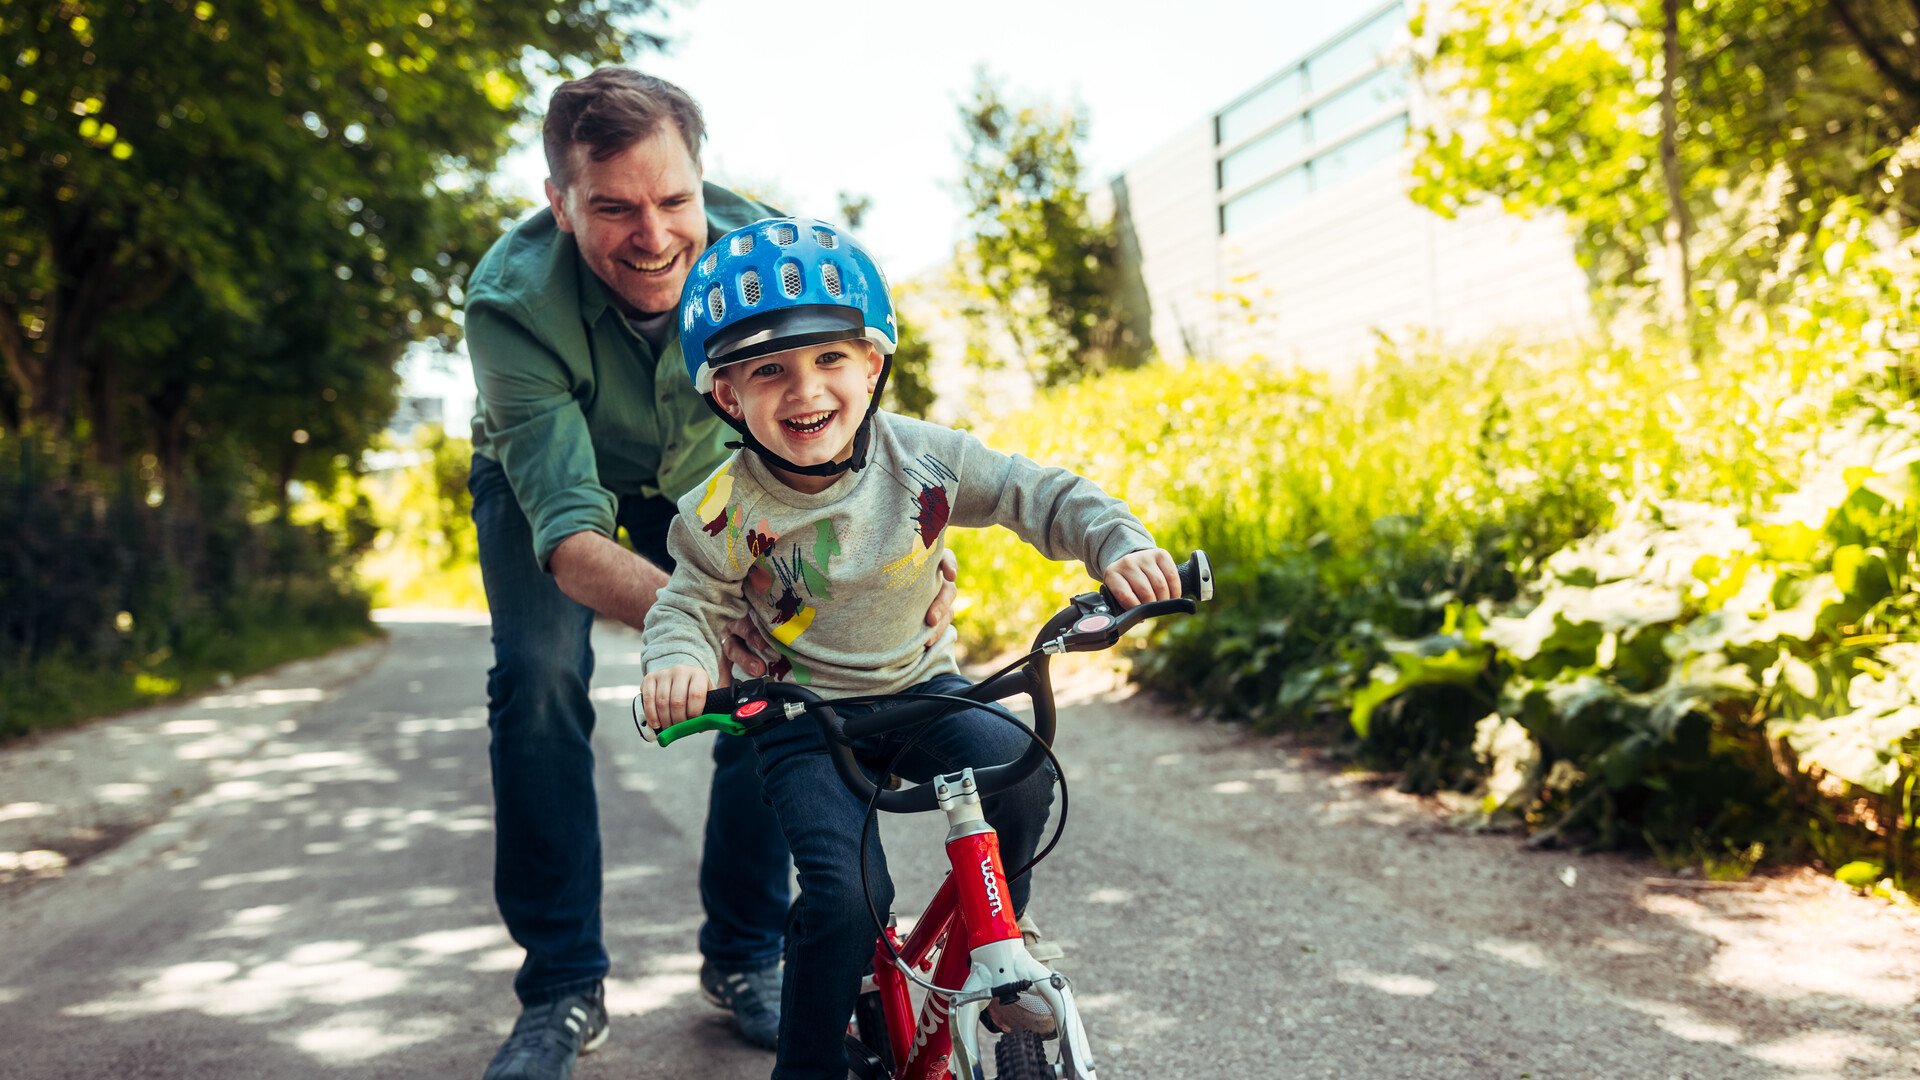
(574, 404)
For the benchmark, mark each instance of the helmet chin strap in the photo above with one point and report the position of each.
(861, 438)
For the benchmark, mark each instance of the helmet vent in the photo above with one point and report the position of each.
(790, 282)
(742, 244)
(784, 234)
(750, 287)
(830, 274)
(712, 260)
(716, 304)
(826, 238)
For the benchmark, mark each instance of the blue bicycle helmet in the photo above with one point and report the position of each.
(779, 284)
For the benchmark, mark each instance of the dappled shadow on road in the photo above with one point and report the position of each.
(326, 906)
(1791, 979)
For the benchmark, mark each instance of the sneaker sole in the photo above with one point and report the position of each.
(599, 1038)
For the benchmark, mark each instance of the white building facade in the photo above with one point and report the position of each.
(1280, 225)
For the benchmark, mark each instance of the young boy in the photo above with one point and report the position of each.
(833, 514)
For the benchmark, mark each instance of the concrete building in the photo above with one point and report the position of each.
(1280, 224)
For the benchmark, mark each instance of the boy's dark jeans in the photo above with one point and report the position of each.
(547, 825)
(830, 936)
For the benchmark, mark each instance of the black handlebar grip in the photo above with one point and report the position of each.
(721, 701)
(1196, 577)
(1196, 581)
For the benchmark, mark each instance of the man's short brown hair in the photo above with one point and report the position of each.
(610, 109)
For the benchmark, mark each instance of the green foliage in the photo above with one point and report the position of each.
(426, 553)
(109, 596)
(1626, 598)
(227, 222)
(1782, 109)
(220, 227)
(1043, 276)
(1721, 675)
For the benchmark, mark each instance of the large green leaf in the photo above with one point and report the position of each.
(1441, 660)
(1862, 747)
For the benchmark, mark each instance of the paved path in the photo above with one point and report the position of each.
(314, 902)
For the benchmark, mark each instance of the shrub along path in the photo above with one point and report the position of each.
(1231, 907)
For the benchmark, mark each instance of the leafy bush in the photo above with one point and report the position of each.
(1717, 677)
(111, 596)
(1344, 512)
(1627, 597)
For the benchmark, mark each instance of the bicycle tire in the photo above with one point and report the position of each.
(1022, 1055)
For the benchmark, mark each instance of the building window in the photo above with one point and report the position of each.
(1359, 105)
(1284, 144)
(1357, 50)
(1364, 150)
(1266, 200)
(1280, 96)
(1314, 124)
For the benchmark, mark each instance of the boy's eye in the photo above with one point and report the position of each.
(766, 371)
(830, 357)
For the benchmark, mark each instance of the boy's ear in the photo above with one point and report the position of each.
(874, 363)
(727, 396)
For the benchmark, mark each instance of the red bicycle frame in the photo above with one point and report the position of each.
(978, 914)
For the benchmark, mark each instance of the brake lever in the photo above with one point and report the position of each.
(1098, 628)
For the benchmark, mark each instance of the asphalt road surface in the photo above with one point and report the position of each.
(1230, 907)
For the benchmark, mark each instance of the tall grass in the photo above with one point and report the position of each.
(1418, 476)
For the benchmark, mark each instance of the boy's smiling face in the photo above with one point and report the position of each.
(803, 404)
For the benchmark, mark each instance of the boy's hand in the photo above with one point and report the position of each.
(673, 694)
(1142, 576)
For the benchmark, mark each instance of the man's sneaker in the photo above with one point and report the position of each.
(1029, 1011)
(548, 1037)
(752, 996)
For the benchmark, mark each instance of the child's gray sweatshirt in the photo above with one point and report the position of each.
(841, 581)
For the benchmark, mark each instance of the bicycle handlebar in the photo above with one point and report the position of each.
(1087, 624)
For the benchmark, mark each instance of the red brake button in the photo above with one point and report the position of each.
(751, 708)
(1093, 623)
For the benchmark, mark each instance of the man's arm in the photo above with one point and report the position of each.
(603, 575)
(620, 584)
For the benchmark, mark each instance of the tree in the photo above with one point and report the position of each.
(1039, 268)
(208, 205)
(1655, 123)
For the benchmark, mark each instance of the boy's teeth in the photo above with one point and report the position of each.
(809, 423)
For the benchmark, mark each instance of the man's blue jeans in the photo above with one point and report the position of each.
(546, 876)
(830, 938)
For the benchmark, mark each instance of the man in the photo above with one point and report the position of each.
(587, 425)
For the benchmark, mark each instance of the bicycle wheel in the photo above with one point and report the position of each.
(1022, 1055)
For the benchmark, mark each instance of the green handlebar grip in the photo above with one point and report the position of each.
(701, 723)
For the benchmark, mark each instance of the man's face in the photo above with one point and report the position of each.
(639, 218)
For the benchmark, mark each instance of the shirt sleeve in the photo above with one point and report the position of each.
(703, 595)
(1059, 512)
(537, 431)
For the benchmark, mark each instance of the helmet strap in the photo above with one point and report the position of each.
(861, 438)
